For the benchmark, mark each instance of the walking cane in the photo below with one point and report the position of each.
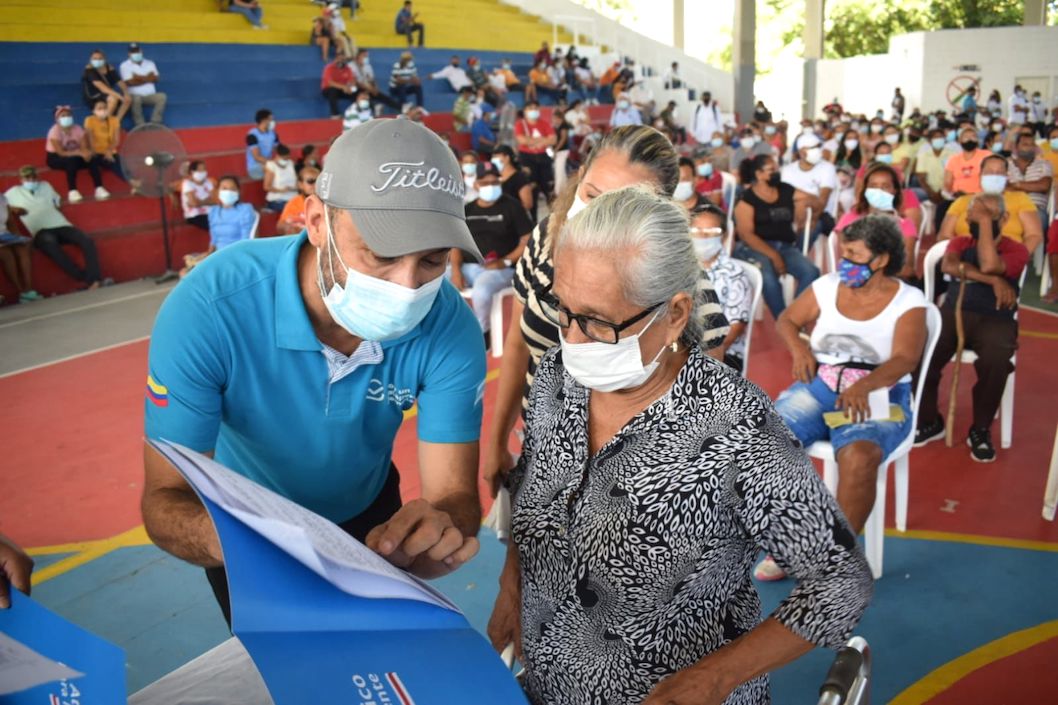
(960, 342)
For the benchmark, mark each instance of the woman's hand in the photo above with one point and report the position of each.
(691, 686)
(777, 262)
(498, 462)
(505, 624)
(1006, 297)
(804, 364)
(853, 401)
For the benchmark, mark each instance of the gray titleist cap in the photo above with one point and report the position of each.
(402, 186)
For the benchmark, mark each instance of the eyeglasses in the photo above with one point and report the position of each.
(597, 329)
(706, 231)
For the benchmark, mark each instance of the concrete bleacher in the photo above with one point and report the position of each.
(508, 29)
(206, 84)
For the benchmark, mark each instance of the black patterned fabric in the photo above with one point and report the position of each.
(636, 562)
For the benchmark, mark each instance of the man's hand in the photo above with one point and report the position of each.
(422, 540)
(853, 401)
(692, 686)
(1006, 297)
(804, 364)
(15, 567)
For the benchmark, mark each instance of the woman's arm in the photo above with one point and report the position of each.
(513, 369)
(796, 318)
(947, 228)
(525, 195)
(269, 180)
(1033, 231)
(744, 229)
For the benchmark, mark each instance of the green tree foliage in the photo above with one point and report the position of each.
(856, 27)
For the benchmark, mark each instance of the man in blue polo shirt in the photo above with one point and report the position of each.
(293, 360)
(261, 142)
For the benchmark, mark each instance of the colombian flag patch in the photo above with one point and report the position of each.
(158, 394)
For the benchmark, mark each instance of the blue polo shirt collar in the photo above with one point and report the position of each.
(293, 328)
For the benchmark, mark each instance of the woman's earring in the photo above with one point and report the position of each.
(675, 345)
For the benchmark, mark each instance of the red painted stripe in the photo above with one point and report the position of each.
(398, 688)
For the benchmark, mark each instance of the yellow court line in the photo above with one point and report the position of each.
(975, 539)
(1038, 334)
(940, 679)
(92, 550)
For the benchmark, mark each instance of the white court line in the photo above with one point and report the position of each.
(86, 307)
(1038, 310)
(74, 357)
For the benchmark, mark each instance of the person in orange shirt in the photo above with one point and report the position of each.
(962, 173)
(292, 219)
(606, 81)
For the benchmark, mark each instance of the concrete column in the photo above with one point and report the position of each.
(744, 56)
(677, 23)
(813, 41)
(1035, 13)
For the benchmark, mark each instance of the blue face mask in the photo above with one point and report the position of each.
(993, 183)
(951, 135)
(716, 142)
(490, 193)
(879, 199)
(937, 143)
(372, 308)
(31, 186)
(705, 170)
(997, 147)
(227, 197)
(883, 158)
(853, 274)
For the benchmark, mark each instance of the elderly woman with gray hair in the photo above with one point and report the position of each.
(651, 476)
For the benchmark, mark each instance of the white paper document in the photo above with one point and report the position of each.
(312, 540)
(22, 668)
(878, 402)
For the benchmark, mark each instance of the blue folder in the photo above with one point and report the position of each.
(314, 643)
(40, 629)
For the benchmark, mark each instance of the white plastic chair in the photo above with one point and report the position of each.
(495, 319)
(823, 450)
(256, 224)
(729, 185)
(756, 283)
(1006, 407)
(1050, 490)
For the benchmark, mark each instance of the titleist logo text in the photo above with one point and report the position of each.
(413, 175)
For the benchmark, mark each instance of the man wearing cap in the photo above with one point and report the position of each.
(141, 75)
(294, 360)
(501, 228)
(813, 177)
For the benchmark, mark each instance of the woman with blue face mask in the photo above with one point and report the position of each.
(881, 194)
(229, 222)
(625, 516)
(67, 150)
(868, 333)
(100, 81)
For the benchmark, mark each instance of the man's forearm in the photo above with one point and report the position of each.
(177, 523)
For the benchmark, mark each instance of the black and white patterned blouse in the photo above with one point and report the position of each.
(636, 562)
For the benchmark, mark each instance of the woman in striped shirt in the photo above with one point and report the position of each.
(626, 156)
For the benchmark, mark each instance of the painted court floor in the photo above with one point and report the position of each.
(965, 613)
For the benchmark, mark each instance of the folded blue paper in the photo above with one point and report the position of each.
(326, 620)
(56, 640)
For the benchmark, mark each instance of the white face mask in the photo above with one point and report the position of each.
(684, 190)
(608, 368)
(892, 139)
(577, 207)
(199, 176)
(372, 308)
(813, 155)
(706, 248)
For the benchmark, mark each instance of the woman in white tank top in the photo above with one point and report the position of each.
(868, 334)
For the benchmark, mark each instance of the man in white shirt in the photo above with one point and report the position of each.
(457, 77)
(140, 75)
(643, 100)
(672, 77)
(1038, 114)
(1018, 113)
(706, 119)
(814, 178)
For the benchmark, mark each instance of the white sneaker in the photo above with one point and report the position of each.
(102, 194)
(74, 196)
